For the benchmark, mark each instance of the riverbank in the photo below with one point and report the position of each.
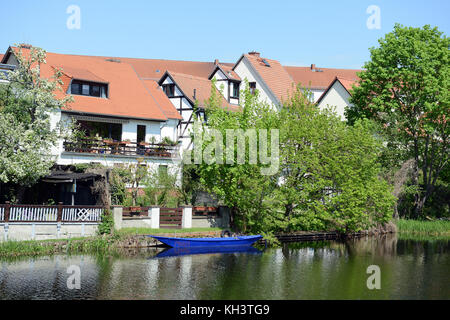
(106, 244)
(137, 238)
(439, 228)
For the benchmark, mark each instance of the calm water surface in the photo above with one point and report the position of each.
(324, 270)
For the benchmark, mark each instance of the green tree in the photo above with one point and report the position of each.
(405, 89)
(328, 178)
(330, 171)
(242, 187)
(27, 102)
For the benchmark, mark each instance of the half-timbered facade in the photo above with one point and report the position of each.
(188, 95)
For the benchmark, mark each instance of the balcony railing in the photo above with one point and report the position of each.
(124, 148)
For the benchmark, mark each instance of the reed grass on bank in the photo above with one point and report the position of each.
(420, 227)
(11, 249)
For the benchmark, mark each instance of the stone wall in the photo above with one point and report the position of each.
(19, 231)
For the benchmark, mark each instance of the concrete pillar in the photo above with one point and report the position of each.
(117, 217)
(186, 221)
(153, 213)
(6, 230)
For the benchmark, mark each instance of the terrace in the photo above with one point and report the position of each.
(121, 148)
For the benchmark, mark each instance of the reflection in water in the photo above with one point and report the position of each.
(315, 270)
(175, 252)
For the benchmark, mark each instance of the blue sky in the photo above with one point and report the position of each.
(327, 33)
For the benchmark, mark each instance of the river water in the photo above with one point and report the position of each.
(314, 270)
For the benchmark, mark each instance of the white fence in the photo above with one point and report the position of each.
(81, 214)
(59, 213)
(30, 213)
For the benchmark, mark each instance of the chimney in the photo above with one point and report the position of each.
(216, 62)
(254, 53)
(313, 67)
(25, 46)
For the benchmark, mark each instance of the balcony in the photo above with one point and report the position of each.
(111, 147)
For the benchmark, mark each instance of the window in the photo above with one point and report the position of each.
(235, 93)
(95, 91)
(102, 129)
(169, 90)
(85, 90)
(252, 86)
(76, 88)
(91, 89)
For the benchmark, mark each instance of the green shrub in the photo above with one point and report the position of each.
(106, 225)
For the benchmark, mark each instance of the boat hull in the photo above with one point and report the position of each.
(242, 241)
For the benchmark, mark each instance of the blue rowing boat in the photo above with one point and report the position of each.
(240, 241)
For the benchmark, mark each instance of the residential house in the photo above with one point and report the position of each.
(337, 95)
(124, 119)
(317, 80)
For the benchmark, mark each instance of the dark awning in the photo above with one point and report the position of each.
(68, 177)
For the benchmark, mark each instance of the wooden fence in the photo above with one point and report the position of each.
(205, 211)
(131, 211)
(170, 218)
(41, 213)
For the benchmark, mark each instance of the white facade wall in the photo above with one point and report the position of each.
(338, 98)
(245, 71)
(222, 83)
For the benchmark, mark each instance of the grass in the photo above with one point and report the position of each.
(135, 231)
(426, 228)
(12, 249)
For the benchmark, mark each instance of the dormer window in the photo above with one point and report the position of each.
(91, 89)
(169, 90)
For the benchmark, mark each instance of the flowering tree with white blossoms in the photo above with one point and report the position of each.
(26, 135)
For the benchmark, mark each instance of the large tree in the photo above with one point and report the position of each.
(405, 89)
(327, 177)
(27, 136)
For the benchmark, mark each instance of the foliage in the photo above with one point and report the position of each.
(162, 189)
(330, 171)
(27, 102)
(242, 187)
(405, 89)
(117, 185)
(134, 174)
(328, 176)
(106, 226)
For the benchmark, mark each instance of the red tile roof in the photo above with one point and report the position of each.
(154, 69)
(162, 100)
(229, 72)
(128, 96)
(274, 75)
(306, 77)
(346, 83)
(1, 56)
(187, 83)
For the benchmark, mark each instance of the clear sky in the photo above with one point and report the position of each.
(327, 33)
